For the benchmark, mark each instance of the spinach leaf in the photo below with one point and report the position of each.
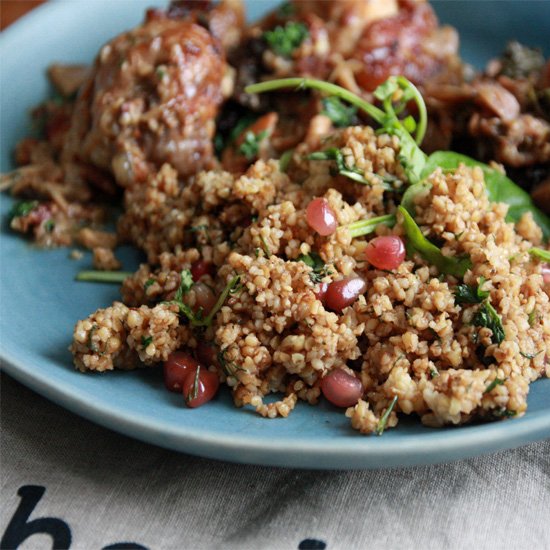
(446, 264)
(340, 114)
(469, 294)
(499, 187)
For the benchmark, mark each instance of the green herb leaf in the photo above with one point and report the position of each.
(146, 341)
(186, 282)
(469, 294)
(532, 317)
(364, 227)
(487, 316)
(22, 208)
(339, 114)
(91, 276)
(381, 426)
(540, 253)
(250, 147)
(285, 159)
(446, 264)
(148, 283)
(284, 40)
(499, 187)
(496, 382)
(319, 270)
(49, 225)
(504, 413)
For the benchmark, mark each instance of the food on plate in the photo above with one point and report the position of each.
(307, 230)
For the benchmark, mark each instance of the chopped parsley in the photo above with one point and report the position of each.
(265, 247)
(504, 413)
(381, 426)
(250, 147)
(148, 283)
(284, 40)
(319, 270)
(496, 382)
(146, 341)
(22, 208)
(487, 317)
(340, 114)
(532, 317)
(469, 294)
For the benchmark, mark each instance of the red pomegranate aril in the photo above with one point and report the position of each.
(386, 252)
(341, 389)
(321, 292)
(206, 353)
(546, 274)
(341, 294)
(320, 217)
(198, 390)
(176, 368)
(204, 297)
(200, 268)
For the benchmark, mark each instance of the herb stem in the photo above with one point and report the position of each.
(422, 123)
(110, 277)
(364, 227)
(221, 299)
(384, 418)
(312, 83)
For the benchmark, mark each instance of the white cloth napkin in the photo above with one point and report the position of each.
(94, 489)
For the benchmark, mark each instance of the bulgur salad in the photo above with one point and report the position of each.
(331, 204)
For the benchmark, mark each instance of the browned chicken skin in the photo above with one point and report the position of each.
(152, 98)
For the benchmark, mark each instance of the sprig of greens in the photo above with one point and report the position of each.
(22, 208)
(394, 94)
(496, 382)
(284, 40)
(112, 277)
(415, 239)
(364, 227)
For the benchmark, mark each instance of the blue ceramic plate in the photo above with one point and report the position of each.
(40, 302)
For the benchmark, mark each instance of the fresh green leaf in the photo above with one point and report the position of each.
(431, 253)
(381, 426)
(469, 294)
(244, 122)
(186, 282)
(364, 227)
(409, 196)
(91, 276)
(250, 147)
(496, 382)
(339, 114)
(499, 187)
(540, 253)
(145, 341)
(532, 317)
(265, 248)
(487, 316)
(148, 283)
(504, 413)
(530, 355)
(319, 270)
(285, 159)
(284, 40)
(22, 208)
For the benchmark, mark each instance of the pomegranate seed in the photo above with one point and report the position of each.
(341, 389)
(204, 297)
(321, 293)
(176, 368)
(341, 294)
(386, 252)
(546, 274)
(200, 268)
(207, 353)
(200, 388)
(320, 217)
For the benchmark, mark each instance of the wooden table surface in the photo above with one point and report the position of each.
(10, 10)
